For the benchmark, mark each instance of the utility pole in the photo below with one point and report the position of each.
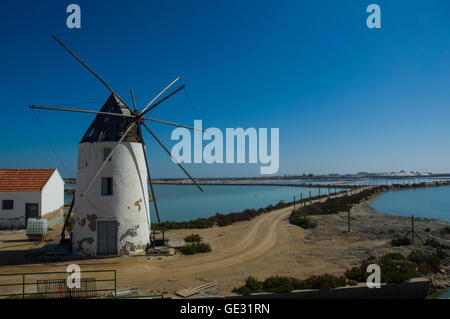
(348, 218)
(348, 221)
(413, 232)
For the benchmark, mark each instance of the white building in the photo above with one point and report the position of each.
(29, 193)
(112, 217)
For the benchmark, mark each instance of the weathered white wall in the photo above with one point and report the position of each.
(128, 205)
(53, 194)
(15, 218)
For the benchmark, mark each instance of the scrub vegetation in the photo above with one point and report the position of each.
(193, 238)
(280, 284)
(396, 269)
(401, 241)
(195, 248)
(330, 206)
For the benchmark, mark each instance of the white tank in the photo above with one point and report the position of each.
(113, 216)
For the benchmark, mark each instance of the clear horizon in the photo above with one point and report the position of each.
(344, 97)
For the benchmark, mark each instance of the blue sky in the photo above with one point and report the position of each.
(346, 98)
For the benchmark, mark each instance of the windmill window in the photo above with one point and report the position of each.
(107, 186)
(106, 152)
(7, 204)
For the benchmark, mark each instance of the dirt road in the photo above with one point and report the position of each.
(265, 246)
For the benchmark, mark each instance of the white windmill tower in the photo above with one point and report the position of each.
(111, 203)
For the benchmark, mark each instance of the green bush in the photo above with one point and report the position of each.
(326, 281)
(401, 241)
(395, 268)
(196, 223)
(204, 248)
(252, 285)
(195, 248)
(433, 242)
(356, 274)
(302, 221)
(193, 238)
(446, 230)
(282, 284)
(426, 262)
(189, 249)
(440, 253)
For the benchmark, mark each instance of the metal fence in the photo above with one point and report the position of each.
(51, 285)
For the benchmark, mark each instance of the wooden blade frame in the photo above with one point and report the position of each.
(163, 99)
(151, 183)
(79, 111)
(92, 71)
(159, 94)
(174, 159)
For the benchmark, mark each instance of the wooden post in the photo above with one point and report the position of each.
(294, 203)
(310, 199)
(301, 199)
(328, 191)
(412, 228)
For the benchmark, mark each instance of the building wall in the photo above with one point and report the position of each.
(15, 218)
(128, 205)
(53, 196)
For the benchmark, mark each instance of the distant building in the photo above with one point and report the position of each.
(29, 193)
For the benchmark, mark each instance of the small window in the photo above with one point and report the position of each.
(8, 204)
(106, 152)
(107, 186)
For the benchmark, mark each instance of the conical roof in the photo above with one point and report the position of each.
(110, 128)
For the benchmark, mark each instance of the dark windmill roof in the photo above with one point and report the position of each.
(110, 128)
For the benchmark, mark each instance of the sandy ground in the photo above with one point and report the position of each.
(265, 246)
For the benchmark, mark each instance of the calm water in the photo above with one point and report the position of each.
(186, 202)
(429, 202)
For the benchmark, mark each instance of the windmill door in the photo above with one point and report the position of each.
(31, 211)
(106, 238)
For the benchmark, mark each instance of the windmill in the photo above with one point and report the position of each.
(111, 205)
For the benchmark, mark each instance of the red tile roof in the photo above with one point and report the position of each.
(24, 180)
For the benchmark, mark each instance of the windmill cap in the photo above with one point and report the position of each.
(110, 128)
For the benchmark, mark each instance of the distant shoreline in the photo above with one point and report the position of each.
(318, 178)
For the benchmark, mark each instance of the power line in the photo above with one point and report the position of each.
(192, 104)
(50, 144)
(93, 101)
